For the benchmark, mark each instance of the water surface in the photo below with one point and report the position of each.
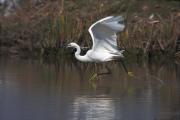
(34, 90)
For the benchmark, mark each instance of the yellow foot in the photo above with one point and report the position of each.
(130, 74)
(94, 76)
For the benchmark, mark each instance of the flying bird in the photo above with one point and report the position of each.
(104, 39)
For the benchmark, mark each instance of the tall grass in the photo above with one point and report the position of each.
(46, 28)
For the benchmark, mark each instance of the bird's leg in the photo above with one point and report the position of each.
(95, 67)
(125, 68)
(108, 69)
(105, 73)
(96, 75)
(123, 64)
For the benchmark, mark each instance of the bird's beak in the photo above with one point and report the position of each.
(125, 33)
(68, 46)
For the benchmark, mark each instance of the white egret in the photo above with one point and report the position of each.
(104, 38)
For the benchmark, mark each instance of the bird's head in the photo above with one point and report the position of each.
(72, 45)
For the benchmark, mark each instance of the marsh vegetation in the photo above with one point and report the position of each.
(44, 29)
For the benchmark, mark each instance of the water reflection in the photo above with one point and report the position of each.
(61, 91)
(87, 108)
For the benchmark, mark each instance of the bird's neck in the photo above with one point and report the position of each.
(78, 51)
(78, 56)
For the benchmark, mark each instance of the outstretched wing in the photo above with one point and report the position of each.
(103, 33)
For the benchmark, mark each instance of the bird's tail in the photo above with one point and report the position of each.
(118, 54)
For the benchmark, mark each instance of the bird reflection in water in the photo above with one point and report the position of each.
(96, 108)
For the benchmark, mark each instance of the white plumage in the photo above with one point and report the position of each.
(104, 38)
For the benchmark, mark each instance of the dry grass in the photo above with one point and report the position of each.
(53, 24)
